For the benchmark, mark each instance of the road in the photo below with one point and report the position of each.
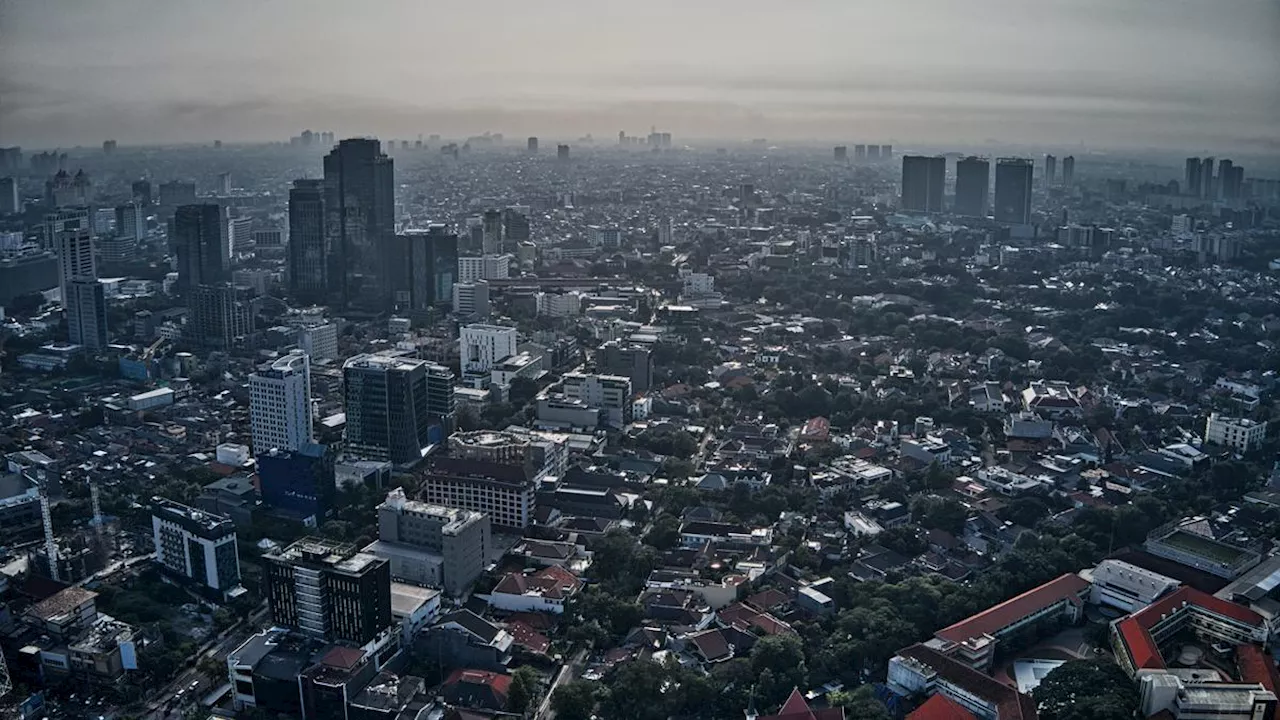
(567, 673)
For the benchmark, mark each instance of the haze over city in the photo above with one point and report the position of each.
(1140, 73)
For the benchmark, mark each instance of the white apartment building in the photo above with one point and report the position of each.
(610, 394)
(319, 341)
(484, 267)
(471, 299)
(566, 304)
(1239, 434)
(280, 404)
(482, 346)
(195, 544)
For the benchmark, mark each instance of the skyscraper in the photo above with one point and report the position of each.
(86, 306)
(515, 228)
(886, 152)
(308, 257)
(492, 232)
(1050, 170)
(428, 268)
(840, 153)
(923, 179)
(329, 591)
(973, 183)
(859, 153)
(200, 236)
(359, 203)
(9, 200)
(1013, 190)
(280, 403)
(562, 152)
(388, 409)
(1068, 170)
(1191, 178)
(1226, 169)
(1207, 185)
(533, 145)
(142, 192)
(83, 297)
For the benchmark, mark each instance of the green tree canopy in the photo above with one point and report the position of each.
(1086, 690)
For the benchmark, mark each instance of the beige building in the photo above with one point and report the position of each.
(431, 545)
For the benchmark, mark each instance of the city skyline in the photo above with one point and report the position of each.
(997, 70)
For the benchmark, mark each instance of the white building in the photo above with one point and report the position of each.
(319, 341)
(546, 590)
(610, 394)
(280, 404)
(484, 267)
(698, 284)
(483, 346)
(471, 299)
(195, 544)
(1125, 586)
(566, 304)
(1239, 434)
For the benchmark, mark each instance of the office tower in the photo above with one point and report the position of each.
(83, 297)
(239, 236)
(428, 268)
(388, 408)
(515, 227)
(197, 546)
(9, 201)
(11, 159)
(611, 237)
(359, 202)
(533, 145)
(86, 306)
(221, 315)
(224, 183)
(666, 232)
(1207, 186)
(122, 245)
(1237, 182)
(610, 394)
(1013, 190)
(840, 153)
(308, 255)
(481, 347)
(506, 493)
(863, 250)
(319, 341)
(923, 179)
(973, 182)
(492, 232)
(873, 152)
(280, 403)
(329, 591)
(886, 152)
(66, 190)
(442, 405)
(859, 153)
(1191, 177)
(142, 192)
(1068, 170)
(471, 300)
(200, 237)
(1050, 170)
(633, 361)
(1227, 189)
(432, 545)
(131, 221)
(177, 192)
(562, 152)
(299, 483)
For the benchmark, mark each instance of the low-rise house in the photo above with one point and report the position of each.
(464, 639)
(546, 590)
(477, 689)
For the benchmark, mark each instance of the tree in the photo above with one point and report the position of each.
(778, 663)
(1086, 690)
(525, 687)
(522, 390)
(665, 533)
(860, 703)
(574, 700)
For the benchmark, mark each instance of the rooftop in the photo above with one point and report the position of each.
(61, 604)
(997, 617)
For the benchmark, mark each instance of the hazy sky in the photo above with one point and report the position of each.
(1199, 74)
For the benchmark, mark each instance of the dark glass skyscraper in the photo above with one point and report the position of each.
(1191, 179)
(200, 237)
(923, 179)
(1068, 170)
(515, 229)
(973, 183)
(308, 255)
(1013, 190)
(428, 268)
(359, 202)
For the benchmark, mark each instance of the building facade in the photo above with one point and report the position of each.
(329, 591)
(280, 403)
(923, 182)
(1013, 190)
(308, 249)
(392, 404)
(503, 492)
(451, 544)
(195, 545)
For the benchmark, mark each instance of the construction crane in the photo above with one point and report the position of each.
(6, 684)
(50, 543)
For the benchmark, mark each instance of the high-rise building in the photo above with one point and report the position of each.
(533, 145)
(66, 190)
(1013, 190)
(840, 153)
(610, 394)
(427, 269)
(177, 192)
(280, 403)
(506, 493)
(329, 591)
(432, 545)
(1050, 170)
(634, 361)
(1191, 178)
(1207, 186)
(83, 297)
(492, 232)
(471, 300)
(299, 483)
(886, 152)
(239, 236)
(195, 545)
(200, 238)
(359, 203)
(481, 347)
(1236, 185)
(392, 405)
(484, 267)
(923, 180)
(873, 152)
(221, 315)
(131, 221)
(973, 183)
(515, 228)
(86, 306)
(10, 203)
(562, 152)
(224, 183)
(142, 192)
(308, 246)
(1068, 170)
(859, 153)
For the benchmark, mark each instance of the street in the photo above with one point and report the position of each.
(567, 673)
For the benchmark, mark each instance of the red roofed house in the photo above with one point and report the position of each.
(920, 669)
(973, 640)
(1137, 638)
(797, 708)
(815, 430)
(546, 590)
(941, 707)
(477, 689)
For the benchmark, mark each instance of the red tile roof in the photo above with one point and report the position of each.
(1010, 704)
(498, 681)
(1135, 630)
(552, 582)
(796, 708)
(997, 617)
(940, 707)
(1257, 667)
(744, 617)
(342, 657)
(528, 638)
